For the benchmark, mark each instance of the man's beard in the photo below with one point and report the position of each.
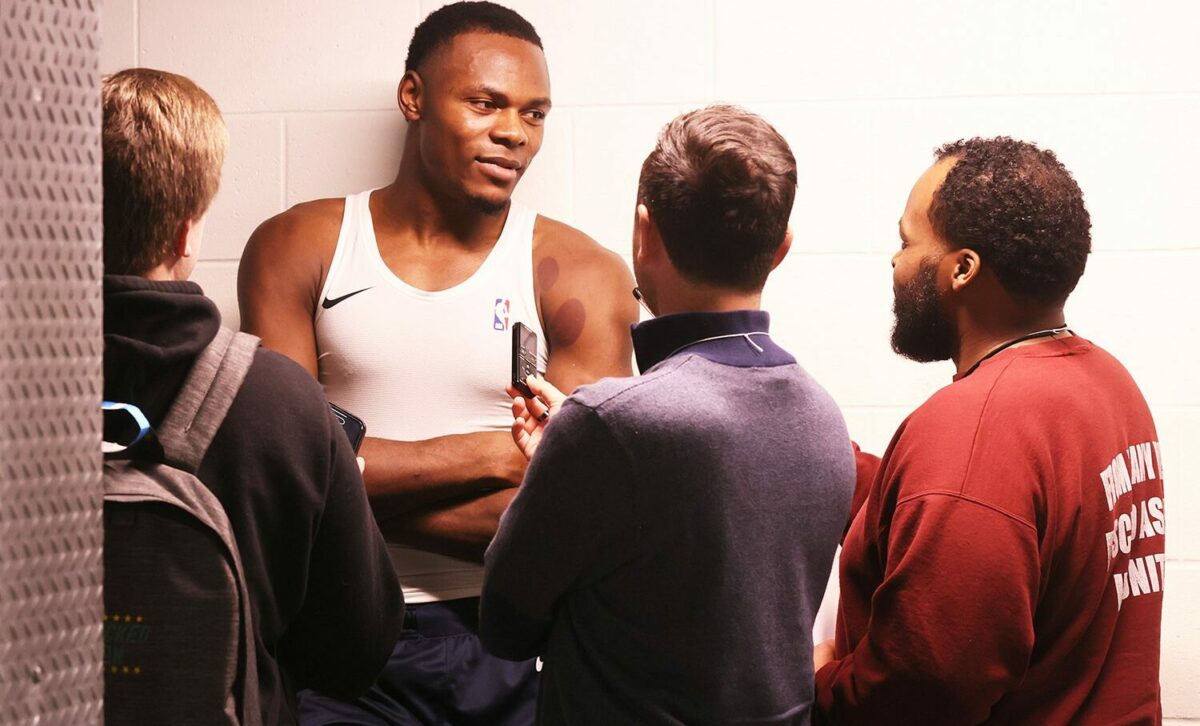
(487, 206)
(922, 331)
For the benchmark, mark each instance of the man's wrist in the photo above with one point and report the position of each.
(511, 466)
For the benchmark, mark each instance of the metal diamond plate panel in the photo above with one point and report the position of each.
(51, 642)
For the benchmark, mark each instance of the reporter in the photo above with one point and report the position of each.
(672, 528)
(1006, 564)
(326, 606)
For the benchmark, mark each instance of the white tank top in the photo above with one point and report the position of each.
(415, 365)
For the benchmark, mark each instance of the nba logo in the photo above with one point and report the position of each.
(500, 315)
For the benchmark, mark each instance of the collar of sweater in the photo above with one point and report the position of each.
(737, 338)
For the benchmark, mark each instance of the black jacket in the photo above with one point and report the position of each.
(327, 607)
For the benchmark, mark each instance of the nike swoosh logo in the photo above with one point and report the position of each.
(331, 301)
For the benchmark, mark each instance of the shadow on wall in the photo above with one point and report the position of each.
(368, 143)
(276, 162)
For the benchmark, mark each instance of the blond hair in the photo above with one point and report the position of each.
(163, 144)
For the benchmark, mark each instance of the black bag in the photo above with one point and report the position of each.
(178, 634)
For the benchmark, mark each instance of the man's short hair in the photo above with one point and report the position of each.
(1020, 209)
(444, 24)
(163, 145)
(719, 185)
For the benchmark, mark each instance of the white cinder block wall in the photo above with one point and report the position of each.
(863, 91)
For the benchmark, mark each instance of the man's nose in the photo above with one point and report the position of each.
(509, 130)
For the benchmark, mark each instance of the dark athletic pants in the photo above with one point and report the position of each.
(438, 673)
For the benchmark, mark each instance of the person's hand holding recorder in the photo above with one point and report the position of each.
(530, 415)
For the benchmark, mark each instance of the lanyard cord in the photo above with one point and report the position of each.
(755, 346)
(1029, 336)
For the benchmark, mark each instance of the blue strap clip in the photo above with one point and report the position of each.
(138, 417)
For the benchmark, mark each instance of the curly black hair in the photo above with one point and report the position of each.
(444, 24)
(1020, 209)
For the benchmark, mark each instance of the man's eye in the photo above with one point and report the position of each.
(485, 104)
(536, 115)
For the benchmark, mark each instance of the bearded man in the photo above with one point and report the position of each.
(1007, 564)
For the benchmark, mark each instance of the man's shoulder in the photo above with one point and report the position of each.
(312, 225)
(620, 396)
(578, 281)
(948, 422)
(275, 442)
(284, 262)
(596, 395)
(278, 392)
(1012, 404)
(566, 245)
(551, 232)
(1037, 382)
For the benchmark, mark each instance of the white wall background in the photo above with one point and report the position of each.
(862, 90)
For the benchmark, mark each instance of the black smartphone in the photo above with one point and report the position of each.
(354, 427)
(524, 357)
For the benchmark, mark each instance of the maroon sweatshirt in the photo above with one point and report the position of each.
(1007, 564)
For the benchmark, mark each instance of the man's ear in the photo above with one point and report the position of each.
(410, 94)
(191, 233)
(182, 245)
(784, 247)
(648, 243)
(966, 267)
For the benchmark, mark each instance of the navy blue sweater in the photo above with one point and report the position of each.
(672, 539)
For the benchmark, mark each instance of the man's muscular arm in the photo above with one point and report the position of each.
(586, 305)
(282, 271)
(408, 476)
(586, 301)
(281, 274)
(461, 528)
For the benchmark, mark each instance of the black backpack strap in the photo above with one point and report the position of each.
(205, 398)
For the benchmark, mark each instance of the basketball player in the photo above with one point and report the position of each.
(401, 300)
